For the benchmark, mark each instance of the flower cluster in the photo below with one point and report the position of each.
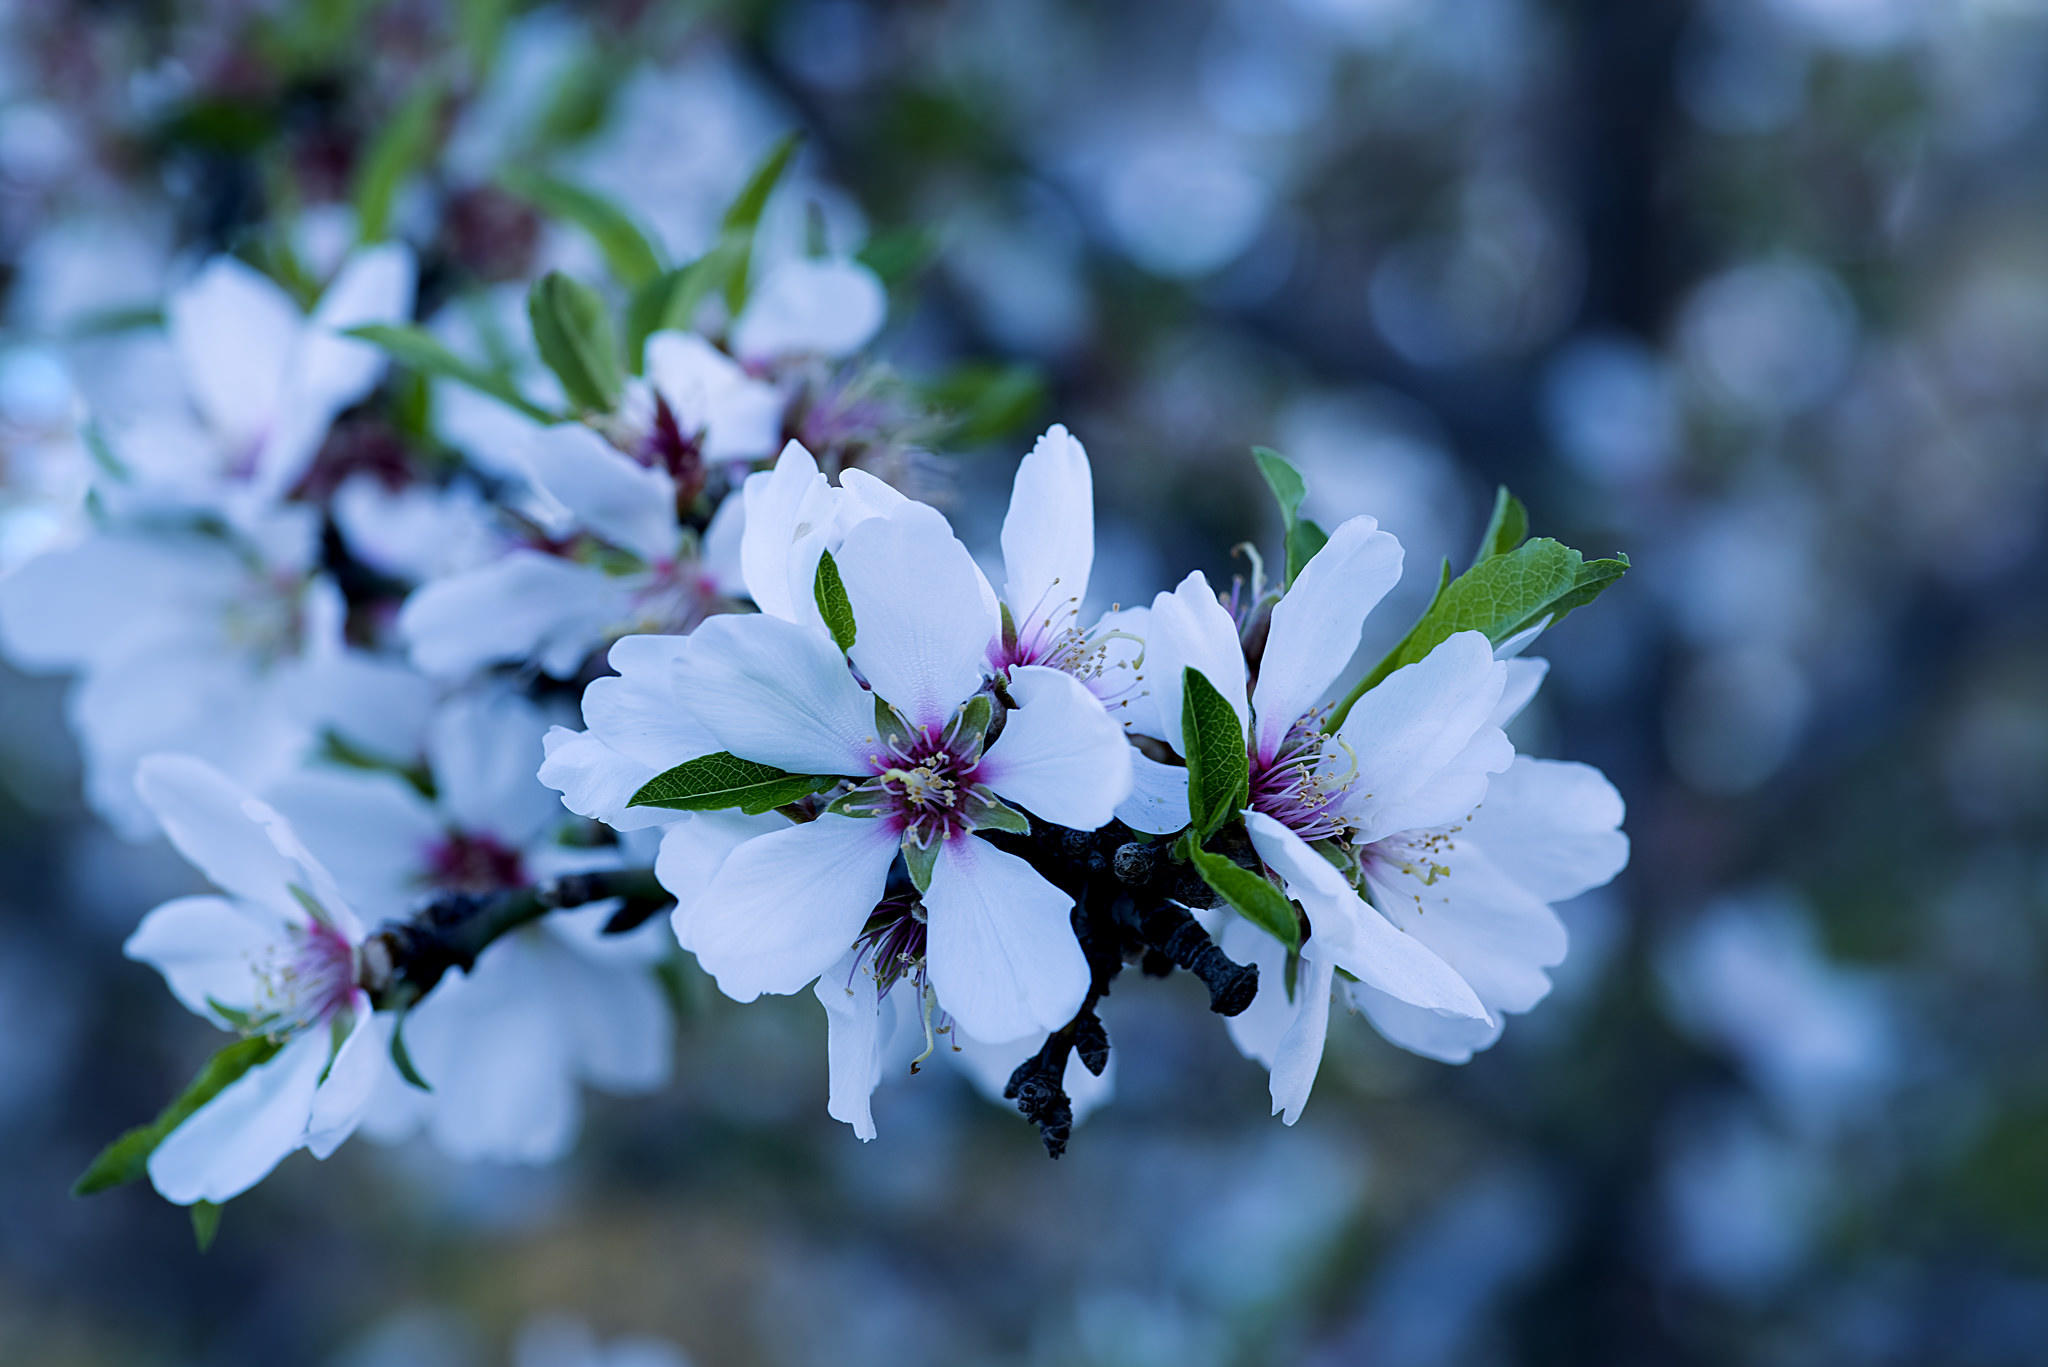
(328, 613)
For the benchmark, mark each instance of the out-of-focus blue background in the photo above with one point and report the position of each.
(1755, 290)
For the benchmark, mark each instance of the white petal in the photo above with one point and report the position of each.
(803, 307)
(694, 848)
(1414, 735)
(1158, 804)
(483, 749)
(1060, 757)
(777, 693)
(1049, 537)
(1316, 625)
(643, 712)
(207, 949)
(1190, 628)
(1524, 678)
(236, 333)
(789, 511)
(343, 1097)
(1497, 935)
(1352, 935)
(597, 781)
(921, 624)
(526, 606)
(375, 829)
(739, 416)
(1447, 1039)
(1299, 1054)
(720, 557)
(375, 285)
(614, 1016)
(1552, 826)
(232, 1142)
(602, 489)
(990, 1066)
(215, 825)
(1000, 949)
(785, 906)
(498, 1059)
(855, 1033)
(109, 594)
(378, 705)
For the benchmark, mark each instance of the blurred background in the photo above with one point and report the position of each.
(1754, 290)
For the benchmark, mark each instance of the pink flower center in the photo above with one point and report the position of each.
(466, 862)
(1298, 785)
(304, 982)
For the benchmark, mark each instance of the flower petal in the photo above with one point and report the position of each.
(1423, 741)
(215, 825)
(642, 712)
(1060, 756)
(803, 307)
(1354, 936)
(1189, 627)
(597, 781)
(526, 606)
(374, 828)
(859, 1021)
(1049, 538)
(1316, 625)
(1498, 936)
(1000, 948)
(1158, 804)
(921, 623)
(694, 848)
(595, 486)
(232, 1142)
(1552, 826)
(777, 693)
(789, 512)
(375, 285)
(343, 1096)
(1524, 678)
(483, 749)
(785, 906)
(206, 948)
(740, 417)
(236, 333)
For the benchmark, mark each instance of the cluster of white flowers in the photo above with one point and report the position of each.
(333, 672)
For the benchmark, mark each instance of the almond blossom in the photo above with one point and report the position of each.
(274, 955)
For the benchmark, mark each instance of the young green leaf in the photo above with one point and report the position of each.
(744, 216)
(983, 401)
(573, 332)
(205, 1223)
(422, 351)
(401, 1057)
(1498, 596)
(627, 252)
(669, 301)
(400, 147)
(1212, 739)
(1301, 537)
(1506, 529)
(833, 604)
(1248, 893)
(127, 1158)
(714, 782)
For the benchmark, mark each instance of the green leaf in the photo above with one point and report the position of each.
(1506, 529)
(982, 402)
(833, 604)
(205, 1223)
(401, 147)
(1499, 596)
(920, 860)
(401, 1057)
(574, 334)
(898, 255)
(743, 216)
(669, 302)
(1248, 893)
(627, 252)
(420, 350)
(714, 782)
(1212, 739)
(127, 1158)
(1301, 537)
